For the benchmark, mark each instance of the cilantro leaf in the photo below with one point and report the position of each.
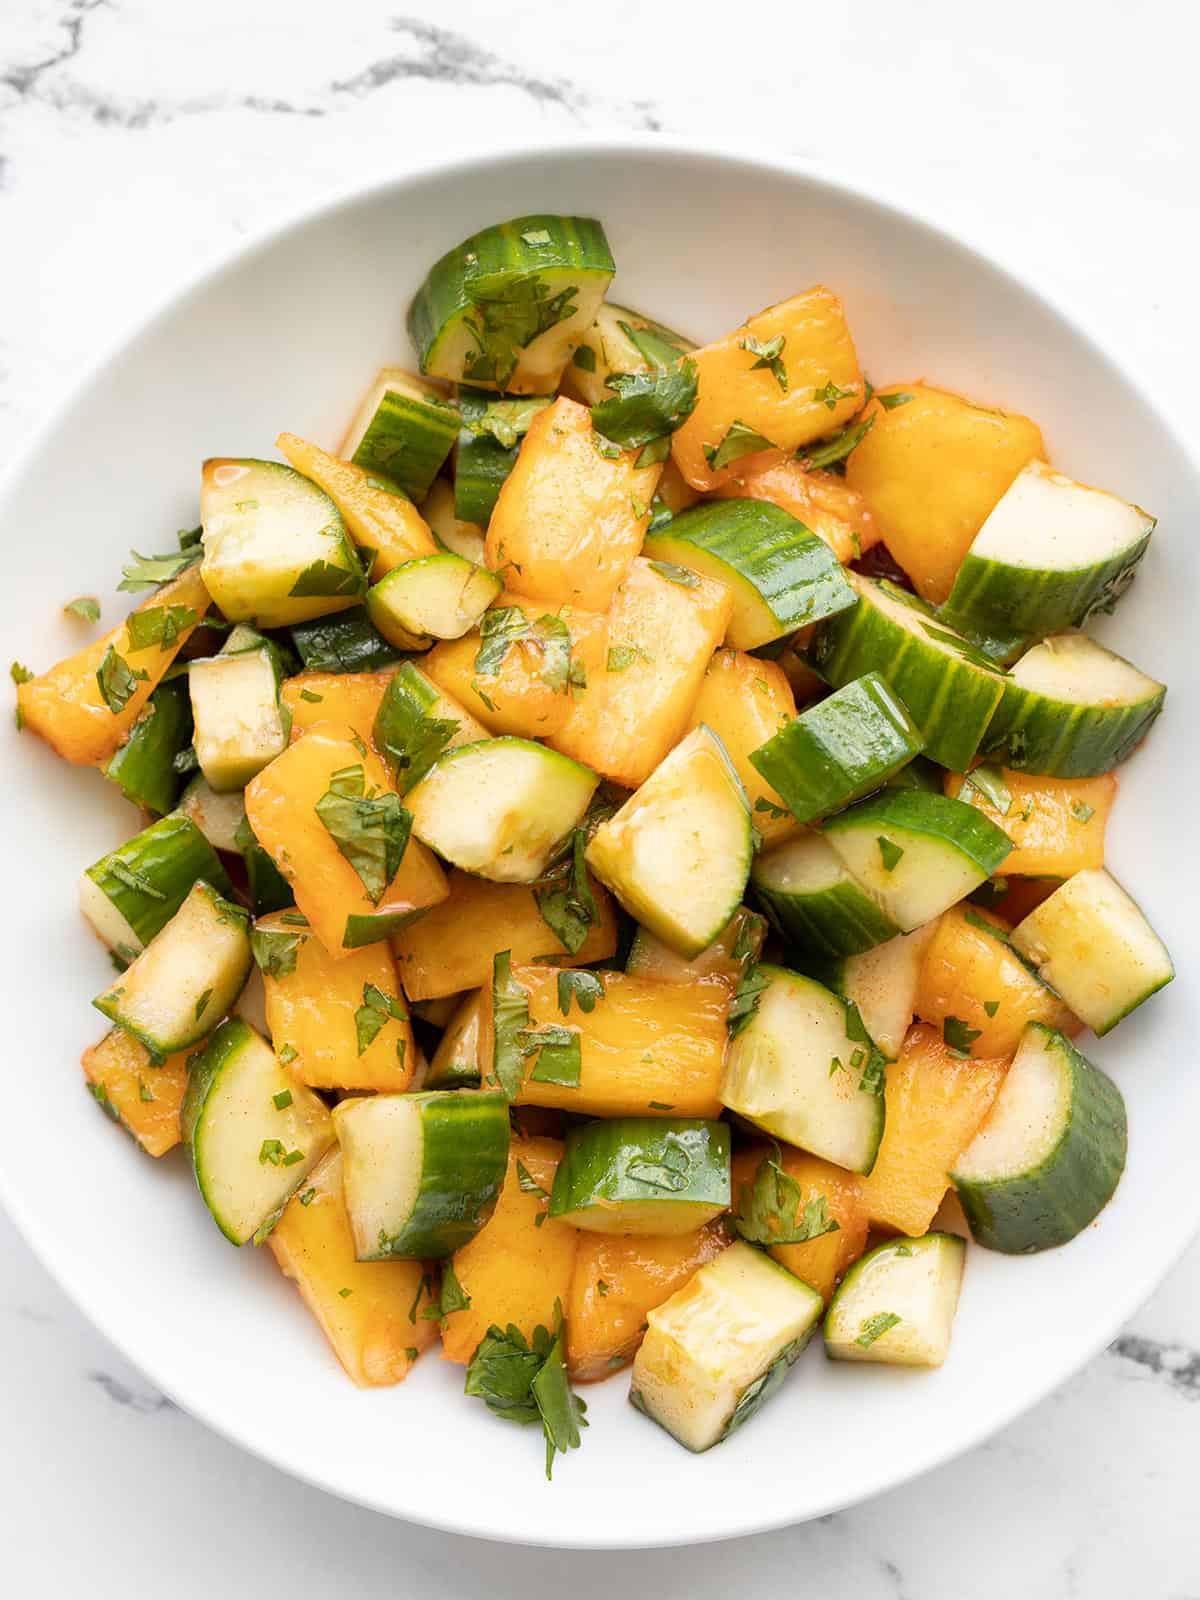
(453, 1296)
(151, 572)
(510, 1020)
(559, 1058)
(740, 440)
(772, 1209)
(1082, 812)
(375, 1010)
(890, 854)
(830, 394)
(647, 405)
(587, 987)
(117, 683)
(770, 356)
(504, 317)
(86, 607)
(957, 1036)
(872, 1328)
(502, 1370)
(756, 1394)
(505, 421)
(560, 1408)
(564, 895)
(328, 578)
(829, 452)
(683, 576)
(889, 402)
(160, 625)
(746, 1000)
(527, 1183)
(371, 832)
(989, 783)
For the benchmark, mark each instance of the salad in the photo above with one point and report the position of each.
(663, 793)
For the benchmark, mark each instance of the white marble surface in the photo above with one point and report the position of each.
(140, 139)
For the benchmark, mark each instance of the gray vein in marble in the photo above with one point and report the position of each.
(26, 79)
(1176, 1363)
(438, 55)
(144, 1401)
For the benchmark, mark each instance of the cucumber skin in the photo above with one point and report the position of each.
(402, 711)
(143, 768)
(171, 851)
(998, 597)
(1032, 732)
(1017, 1216)
(205, 1068)
(492, 256)
(795, 573)
(481, 465)
(269, 889)
(951, 702)
(935, 816)
(840, 749)
(837, 922)
(407, 440)
(596, 1155)
(346, 642)
(452, 1206)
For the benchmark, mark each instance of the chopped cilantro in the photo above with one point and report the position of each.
(1082, 812)
(307, 1198)
(275, 953)
(647, 405)
(282, 1100)
(991, 1007)
(313, 699)
(202, 1003)
(958, 1036)
(772, 1209)
(836, 448)
(891, 854)
(371, 832)
(740, 440)
(117, 683)
(746, 999)
(830, 394)
(527, 1183)
(375, 1010)
(770, 356)
(86, 607)
(889, 402)
(584, 358)
(587, 988)
(872, 1328)
(676, 574)
(151, 572)
(989, 782)
(160, 625)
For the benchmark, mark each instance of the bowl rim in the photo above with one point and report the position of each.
(838, 182)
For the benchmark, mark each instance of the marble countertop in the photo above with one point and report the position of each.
(140, 139)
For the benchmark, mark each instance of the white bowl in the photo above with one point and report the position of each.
(287, 336)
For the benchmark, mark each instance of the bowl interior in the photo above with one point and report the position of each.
(287, 337)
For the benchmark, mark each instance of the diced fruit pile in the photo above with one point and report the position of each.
(621, 1012)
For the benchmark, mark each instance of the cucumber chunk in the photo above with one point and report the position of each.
(348, 642)
(439, 597)
(677, 854)
(186, 978)
(144, 767)
(897, 1303)
(254, 1132)
(240, 724)
(781, 576)
(488, 443)
(882, 983)
(404, 430)
(1072, 709)
(950, 688)
(840, 749)
(506, 308)
(1092, 944)
(619, 343)
(917, 853)
(218, 816)
(131, 894)
(721, 1346)
(422, 1171)
(455, 1062)
(815, 902)
(1051, 1153)
(803, 1067)
(643, 1175)
(737, 946)
(498, 807)
(416, 722)
(276, 550)
(1050, 554)
(451, 531)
